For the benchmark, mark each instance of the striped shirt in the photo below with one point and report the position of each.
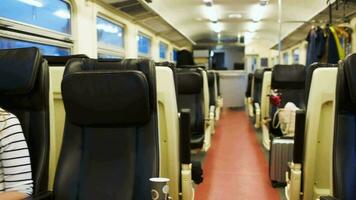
(15, 166)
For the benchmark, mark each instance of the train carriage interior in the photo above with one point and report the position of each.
(177, 100)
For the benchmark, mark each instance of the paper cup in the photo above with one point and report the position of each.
(159, 188)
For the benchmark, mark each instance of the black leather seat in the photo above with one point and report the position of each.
(344, 152)
(309, 76)
(289, 80)
(218, 83)
(299, 137)
(110, 143)
(249, 85)
(212, 88)
(24, 83)
(60, 61)
(191, 96)
(185, 132)
(257, 86)
(185, 57)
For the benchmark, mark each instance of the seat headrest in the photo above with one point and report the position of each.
(259, 73)
(310, 70)
(350, 75)
(189, 82)
(314, 66)
(203, 67)
(288, 77)
(62, 60)
(19, 69)
(108, 94)
(166, 63)
(185, 57)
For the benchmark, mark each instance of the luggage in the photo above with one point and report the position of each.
(280, 154)
(286, 119)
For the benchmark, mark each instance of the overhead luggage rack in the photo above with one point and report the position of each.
(142, 14)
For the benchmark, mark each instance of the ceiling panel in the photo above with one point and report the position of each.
(191, 17)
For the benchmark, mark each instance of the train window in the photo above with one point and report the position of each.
(286, 58)
(54, 15)
(175, 55)
(296, 56)
(7, 43)
(144, 45)
(109, 56)
(163, 48)
(276, 60)
(110, 35)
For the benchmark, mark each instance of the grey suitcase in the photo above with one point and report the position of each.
(281, 153)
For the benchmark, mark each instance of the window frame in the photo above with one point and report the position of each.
(140, 54)
(111, 49)
(174, 50)
(41, 31)
(35, 39)
(286, 55)
(293, 54)
(165, 53)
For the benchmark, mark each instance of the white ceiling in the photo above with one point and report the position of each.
(191, 17)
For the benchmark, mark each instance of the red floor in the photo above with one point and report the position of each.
(235, 167)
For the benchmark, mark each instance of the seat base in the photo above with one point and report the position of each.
(196, 141)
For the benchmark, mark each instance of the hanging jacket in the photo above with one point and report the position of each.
(333, 53)
(316, 45)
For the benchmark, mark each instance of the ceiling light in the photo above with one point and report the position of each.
(217, 27)
(208, 2)
(218, 47)
(210, 13)
(35, 3)
(264, 2)
(257, 13)
(253, 27)
(235, 15)
(64, 14)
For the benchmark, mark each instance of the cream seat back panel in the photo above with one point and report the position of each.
(317, 169)
(206, 94)
(208, 121)
(265, 104)
(250, 99)
(57, 119)
(168, 129)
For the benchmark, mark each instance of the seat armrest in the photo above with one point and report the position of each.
(185, 135)
(47, 195)
(299, 136)
(327, 198)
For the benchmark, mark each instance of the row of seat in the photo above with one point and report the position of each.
(99, 129)
(323, 161)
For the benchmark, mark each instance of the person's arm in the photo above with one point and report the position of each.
(13, 196)
(15, 161)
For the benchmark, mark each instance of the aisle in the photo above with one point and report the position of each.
(235, 167)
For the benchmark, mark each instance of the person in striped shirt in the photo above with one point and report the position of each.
(15, 167)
